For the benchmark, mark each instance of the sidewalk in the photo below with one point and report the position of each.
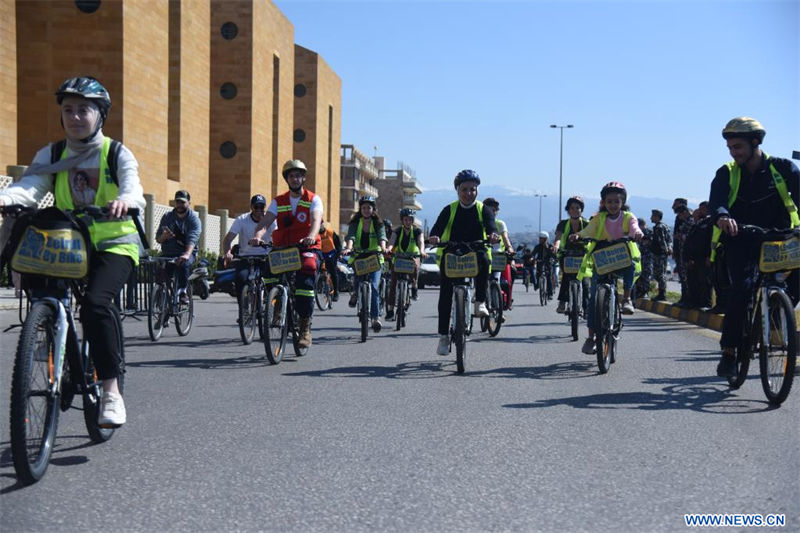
(8, 302)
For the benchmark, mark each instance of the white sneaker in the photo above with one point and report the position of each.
(112, 410)
(444, 345)
(480, 310)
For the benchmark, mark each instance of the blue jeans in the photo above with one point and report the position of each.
(374, 280)
(181, 272)
(627, 282)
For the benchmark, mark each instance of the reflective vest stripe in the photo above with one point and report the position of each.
(567, 229)
(304, 292)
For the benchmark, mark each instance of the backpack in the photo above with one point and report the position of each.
(57, 148)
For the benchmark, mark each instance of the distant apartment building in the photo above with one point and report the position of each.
(359, 176)
(398, 190)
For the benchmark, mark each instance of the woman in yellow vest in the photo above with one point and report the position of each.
(66, 171)
(573, 224)
(613, 221)
(408, 240)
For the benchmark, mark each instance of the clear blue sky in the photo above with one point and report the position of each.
(648, 85)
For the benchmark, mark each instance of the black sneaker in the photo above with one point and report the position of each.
(414, 294)
(335, 297)
(390, 314)
(727, 366)
(352, 302)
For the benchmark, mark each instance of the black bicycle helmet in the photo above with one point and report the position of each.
(466, 175)
(407, 212)
(86, 87)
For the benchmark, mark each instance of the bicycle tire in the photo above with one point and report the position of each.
(744, 352)
(363, 311)
(93, 394)
(543, 290)
(156, 312)
(247, 318)
(777, 371)
(400, 308)
(185, 317)
(299, 351)
(460, 327)
(604, 337)
(275, 325)
(574, 309)
(33, 431)
(322, 292)
(24, 306)
(261, 310)
(495, 320)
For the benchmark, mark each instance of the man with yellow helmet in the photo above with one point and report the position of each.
(757, 189)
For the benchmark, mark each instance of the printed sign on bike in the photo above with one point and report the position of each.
(461, 266)
(403, 265)
(499, 262)
(366, 265)
(572, 263)
(287, 260)
(780, 255)
(58, 253)
(615, 257)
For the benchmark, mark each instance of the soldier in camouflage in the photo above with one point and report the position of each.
(660, 250)
(643, 283)
(684, 214)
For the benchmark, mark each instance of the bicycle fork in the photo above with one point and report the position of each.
(60, 342)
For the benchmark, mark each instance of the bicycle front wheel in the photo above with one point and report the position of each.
(778, 357)
(574, 308)
(400, 308)
(363, 308)
(543, 290)
(495, 319)
(185, 316)
(275, 326)
(460, 327)
(157, 312)
(34, 406)
(94, 391)
(604, 336)
(247, 314)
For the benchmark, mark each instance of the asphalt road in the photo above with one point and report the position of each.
(385, 436)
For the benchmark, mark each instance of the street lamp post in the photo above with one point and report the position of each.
(540, 196)
(561, 164)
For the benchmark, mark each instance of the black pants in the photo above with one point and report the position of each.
(108, 274)
(446, 293)
(333, 270)
(698, 277)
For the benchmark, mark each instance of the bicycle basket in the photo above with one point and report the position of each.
(287, 260)
(499, 262)
(612, 258)
(366, 265)
(572, 264)
(779, 255)
(53, 244)
(461, 266)
(404, 265)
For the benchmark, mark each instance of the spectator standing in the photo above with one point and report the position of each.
(660, 250)
(697, 250)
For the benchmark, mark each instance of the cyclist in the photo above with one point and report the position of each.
(464, 220)
(331, 248)
(757, 189)
(543, 257)
(84, 104)
(368, 231)
(502, 247)
(244, 227)
(178, 233)
(613, 221)
(298, 213)
(407, 239)
(573, 224)
(527, 264)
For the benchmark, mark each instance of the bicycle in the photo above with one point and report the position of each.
(526, 276)
(769, 326)
(165, 302)
(281, 318)
(460, 264)
(609, 259)
(542, 275)
(251, 300)
(576, 307)
(404, 266)
(364, 264)
(323, 288)
(52, 364)
(495, 297)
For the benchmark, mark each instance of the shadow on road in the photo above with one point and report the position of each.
(246, 361)
(58, 458)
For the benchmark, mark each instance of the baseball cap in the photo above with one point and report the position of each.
(258, 199)
(183, 195)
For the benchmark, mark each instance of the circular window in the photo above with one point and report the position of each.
(299, 90)
(87, 6)
(229, 31)
(227, 149)
(299, 136)
(228, 91)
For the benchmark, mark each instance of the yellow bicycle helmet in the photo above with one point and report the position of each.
(293, 164)
(744, 127)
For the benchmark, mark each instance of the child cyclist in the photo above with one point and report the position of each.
(573, 224)
(613, 221)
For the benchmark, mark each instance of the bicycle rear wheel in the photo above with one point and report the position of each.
(777, 360)
(745, 350)
(363, 308)
(322, 292)
(604, 336)
(247, 313)
(275, 325)
(94, 392)
(574, 309)
(495, 318)
(157, 312)
(185, 316)
(460, 328)
(34, 407)
(400, 308)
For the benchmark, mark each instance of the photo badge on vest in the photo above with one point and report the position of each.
(83, 184)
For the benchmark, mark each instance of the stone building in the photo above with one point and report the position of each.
(359, 175)
(398, 189)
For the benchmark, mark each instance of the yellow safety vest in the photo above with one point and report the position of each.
(117, 237)
(602, 234)
(412, 242)
(446, 233)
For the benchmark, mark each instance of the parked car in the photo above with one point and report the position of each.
(429, 271)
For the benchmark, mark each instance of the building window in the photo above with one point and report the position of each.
(87, 6)
(299, 136)
(227, 149)
(229, 31)
(228, 91)
(299, 90)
